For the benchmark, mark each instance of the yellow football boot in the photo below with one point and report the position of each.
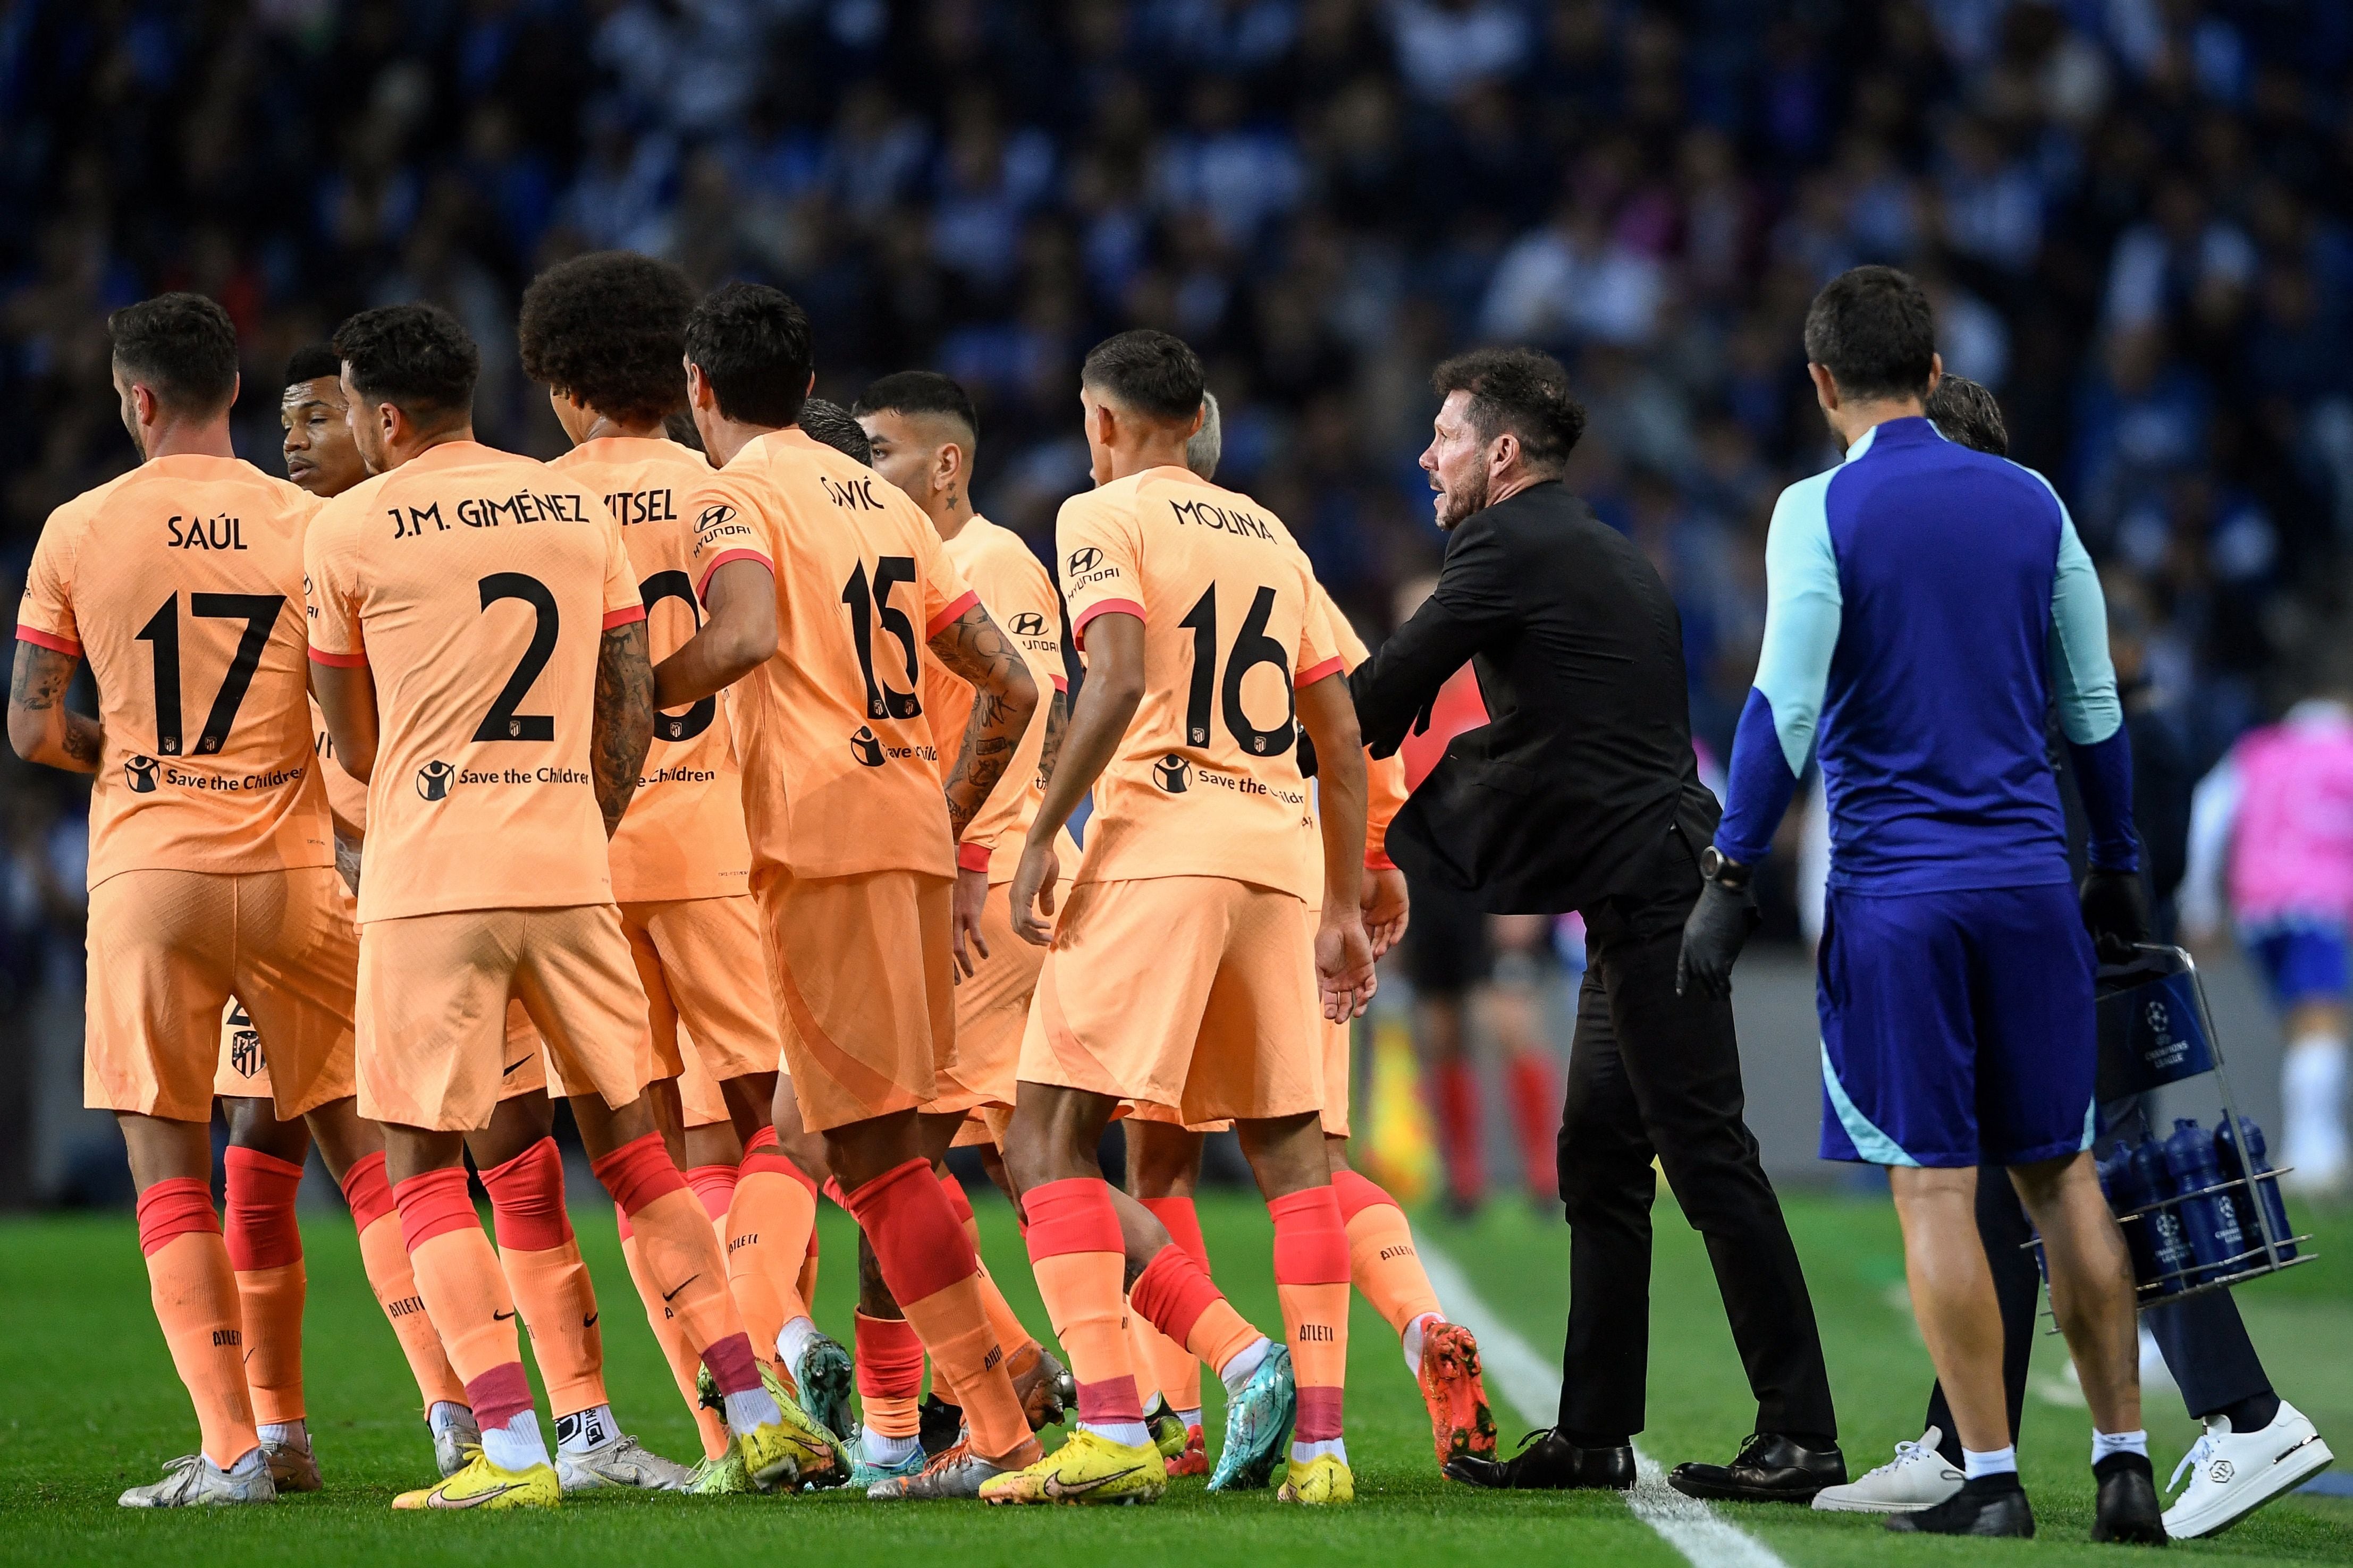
(1325, 1479)
(1090, 1469)
(783, 1453)
(481, 1484)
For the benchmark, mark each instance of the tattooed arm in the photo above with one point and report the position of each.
(1058, 719)
(1004, 695)
(41, 727)
(624, 725)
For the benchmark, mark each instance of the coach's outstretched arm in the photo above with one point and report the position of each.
(1107, 703)
(41, 728)
(622, 730)
(1394, 689)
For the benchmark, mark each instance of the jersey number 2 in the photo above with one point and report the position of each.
(1252, 648)
(259, 613)
(502, 722)
(870, 605)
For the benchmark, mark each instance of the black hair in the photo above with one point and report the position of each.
(1873, 329)
(415, 357)
(919, 392)
(1964, 411)
(311, 362)
(829, 423)
(1153, 372)
(609, 330)
(182, 347)
(752, 343)
(1523, 391)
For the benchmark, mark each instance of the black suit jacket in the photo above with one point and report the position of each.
(1566, 794)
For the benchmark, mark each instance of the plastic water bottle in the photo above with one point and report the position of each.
(2264, 1188)
(2125, 1193)
(2168, 1251)
(2210, 1223)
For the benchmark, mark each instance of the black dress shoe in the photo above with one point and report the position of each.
(2128, 1511)
(1549, 1462)
(1771, 1468)
(1991, 1505)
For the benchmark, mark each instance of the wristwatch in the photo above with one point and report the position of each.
(1730, 875)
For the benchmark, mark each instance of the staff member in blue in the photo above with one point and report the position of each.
(1925, 606)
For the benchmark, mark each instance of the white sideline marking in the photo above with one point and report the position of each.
(1532, 1388)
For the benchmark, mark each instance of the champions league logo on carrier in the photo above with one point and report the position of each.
(139, 773)
(1172, 773)
(866, 748)
(433, 781)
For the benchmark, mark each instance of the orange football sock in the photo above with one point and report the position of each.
(771, 1229)
(1075, 1247)
(933, 1276)
(1174, 1370)
(1310, 1278)
(195, 1296)
(680, 1257)
(714, 1187)
(550, 1282)
(393, 1281)
(672, 1336)
(889, 1375)
(1382, 1262)
(1176, 1293)
(458, 1275)
(265, 1248)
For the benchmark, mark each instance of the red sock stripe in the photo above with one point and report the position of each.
(1183, 1223)
(527, 1199)
(1171, 1293)
(1113, 1399)
(1073, 1214)
(368, 1190)
(499, 1395)
(433, 1204)
(730, 1363)
(764, 1155)
(715, 1185)
(1311, 1245)
(1319, 1415)
(621, 1222)
(917, 1238)
(957, 1200)
(1356, 1194)
(889, 1359)
(832, 1189)
(638, 1171)
(175, 1206)
(258, 1216)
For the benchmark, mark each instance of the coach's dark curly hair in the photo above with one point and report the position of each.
(1524, 391)
(1964, 411)
(609, 330)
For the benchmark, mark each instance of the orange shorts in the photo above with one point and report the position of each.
(245, 1070)
(1196, 993)
(166, 951)
(992, 1009)
(434, 1014)
(865, 986)
(707, 993)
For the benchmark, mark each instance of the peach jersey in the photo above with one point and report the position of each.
(1021, 598)
(180, 583)
(841, 775)
(1385, 788)
(476, 587)
(1206, 782)
(684, 836)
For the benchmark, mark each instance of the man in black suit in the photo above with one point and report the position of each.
(1582, 793)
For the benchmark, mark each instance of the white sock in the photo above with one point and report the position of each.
(445, 1415)
(1411, 1342)
(1189, 1418)
(2106, 1443)
(252, 1459)
(882, 1449)
(517, 1445)
(793, 1339)
(751, 1408)
(1992, 1462)
(1304, 1453)
(1135, 1434)
(585, 1429)
(1236, 1374)
(295, 1433)
(2312, 1099)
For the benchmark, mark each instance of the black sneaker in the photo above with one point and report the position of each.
(2128, 1513)
(1771, 1468)
(1991, 1505)
(1549, 1462)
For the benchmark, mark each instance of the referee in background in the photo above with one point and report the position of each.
(1925, 604)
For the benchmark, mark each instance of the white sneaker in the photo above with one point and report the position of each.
(622, 1462)
(194, 1481)
(2232, 1474)
(1915, 1479)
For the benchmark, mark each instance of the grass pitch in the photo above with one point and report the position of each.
(88, 1405)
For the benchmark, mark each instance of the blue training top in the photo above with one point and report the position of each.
(1925, 604)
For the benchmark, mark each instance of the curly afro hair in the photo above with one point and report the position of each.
(609, 330)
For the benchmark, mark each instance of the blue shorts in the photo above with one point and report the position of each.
(2303, 958)
(1956, 1026)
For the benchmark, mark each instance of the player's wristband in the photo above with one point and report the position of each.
(973, 857)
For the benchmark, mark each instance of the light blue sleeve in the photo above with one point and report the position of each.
(2083, 681)
(1802, 605)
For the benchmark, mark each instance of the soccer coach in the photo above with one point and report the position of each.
(1926, 606)
(1582, 793)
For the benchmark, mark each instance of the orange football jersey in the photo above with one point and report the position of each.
(1021, 598)
(1385, 789)
(841, 775)
(684, 836)
(1206, 782)
(179, 584)
(476, 587)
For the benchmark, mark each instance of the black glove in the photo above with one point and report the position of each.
(1713, 936)
(2115, 912)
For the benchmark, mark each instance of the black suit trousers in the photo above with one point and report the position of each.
(1651, 1073)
